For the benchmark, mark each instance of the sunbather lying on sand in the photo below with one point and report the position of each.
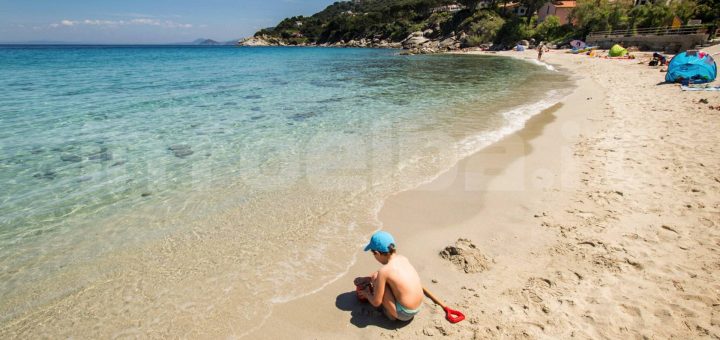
(396, 286)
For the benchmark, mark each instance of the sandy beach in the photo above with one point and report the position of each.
(599, 219)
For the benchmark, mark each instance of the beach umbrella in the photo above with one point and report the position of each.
(578, 44)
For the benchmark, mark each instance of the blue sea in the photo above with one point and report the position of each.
(165, 191)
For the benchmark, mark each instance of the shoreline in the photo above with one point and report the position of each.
(532, 129)
(566, 256)
(531, 114)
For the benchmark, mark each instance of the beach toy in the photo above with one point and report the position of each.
(450, 314)
(359, 287)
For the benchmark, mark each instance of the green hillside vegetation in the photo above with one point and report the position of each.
(394, 20)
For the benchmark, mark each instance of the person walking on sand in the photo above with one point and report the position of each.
(396, 286)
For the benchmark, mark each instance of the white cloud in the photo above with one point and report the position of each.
(135, 22)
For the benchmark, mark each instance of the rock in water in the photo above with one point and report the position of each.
(181, 150)
(102, 155)
(71, 158)
(49, 174)
(183, 153)
(465, 256)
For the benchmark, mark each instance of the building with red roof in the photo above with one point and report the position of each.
(560, 9)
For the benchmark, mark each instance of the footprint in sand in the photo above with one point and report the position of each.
(632, 311)
(536, 288)
(664, 315)
(706, 222)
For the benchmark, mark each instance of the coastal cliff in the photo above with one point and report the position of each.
(418, 26)
(428, 26)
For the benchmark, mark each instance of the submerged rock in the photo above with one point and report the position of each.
(181, 150)
(183, 153)
(176, 147)
(102, 155)
(71, 158)
(298, 117)
(49, 174)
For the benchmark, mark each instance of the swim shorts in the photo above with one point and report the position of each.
(405, 314)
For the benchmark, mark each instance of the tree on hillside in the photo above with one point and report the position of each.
(548, 29)
(470, 4)
(685, 10)
(532, 7)
(650, 15)
(599, 15)
(708, 11)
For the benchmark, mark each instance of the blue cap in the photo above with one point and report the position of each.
(380, 241)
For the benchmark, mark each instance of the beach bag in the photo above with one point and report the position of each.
(691, 66)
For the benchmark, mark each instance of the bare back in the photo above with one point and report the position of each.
(404, 281)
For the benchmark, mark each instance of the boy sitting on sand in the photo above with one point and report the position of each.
(396, 285)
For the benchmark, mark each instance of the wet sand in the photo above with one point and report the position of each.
(598, 220)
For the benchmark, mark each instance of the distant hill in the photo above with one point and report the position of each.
(412, 24)
(206, 42)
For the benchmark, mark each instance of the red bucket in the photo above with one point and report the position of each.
(358, 289)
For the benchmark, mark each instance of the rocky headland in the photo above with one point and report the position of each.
(420, 42)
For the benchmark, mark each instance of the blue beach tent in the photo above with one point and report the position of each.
(691, 66)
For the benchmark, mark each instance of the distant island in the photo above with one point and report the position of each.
(210, 42)
(426, 26)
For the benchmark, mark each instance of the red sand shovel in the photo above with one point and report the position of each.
(451, 315)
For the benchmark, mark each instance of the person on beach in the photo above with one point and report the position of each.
(396, 286)
(540, 49)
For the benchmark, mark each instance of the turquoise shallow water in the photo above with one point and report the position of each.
(159, 176)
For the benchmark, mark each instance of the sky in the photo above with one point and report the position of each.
(143, 21)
